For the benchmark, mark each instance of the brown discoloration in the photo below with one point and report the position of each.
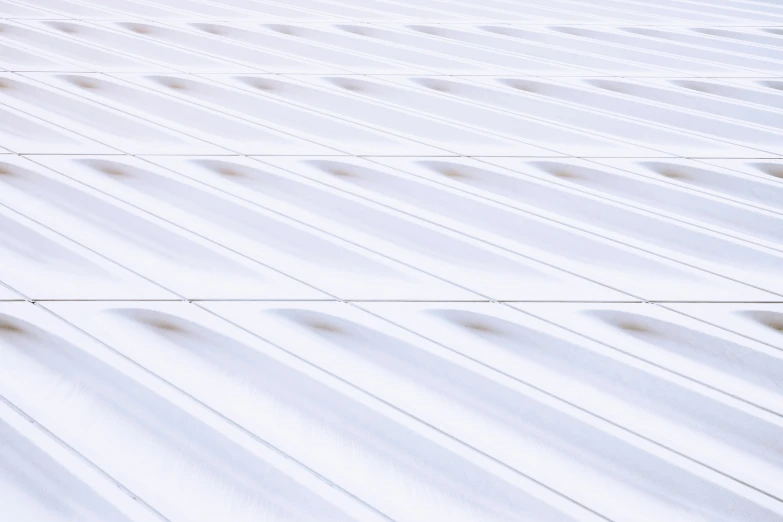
(6, 170)
(174, 84)
(140, 29)
(113, 170)
(341, 172)
(66, 28)
(481, 327)
(231, 172)
(323, 326)
(772, 169)
(85, 83)
(772, 320)
(8, 327)
(164, 325)
(213, 29)
(564, 173)
(475, 323)
(633, 327)
(776, 324)
(453, 173)
(672, 174)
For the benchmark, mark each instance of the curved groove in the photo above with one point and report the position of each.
(30, 130)
(692, 420)
(543, 442)
(772, 84)
(572, 58)
(264, 110)
(83, 113)
(725, 216)
(723, 108)
(179, 465)
(723, 129)
(65, 48)
(363, 218)
(34, 486)
(751, 51)
(736, 35)
(577, 38)
(774, 170)
(660, 115)
(296, 45)
(36, 248)
(85, 10)
(370, 113)
(452, 49)
(380, 460)
(726, 184)
(758, 97)
(753, 368)
(632, 224)
(515, 226)
(211, 47)
(146, 49)
(511, 125)
(659, 45)
(586, 118)
(238, 219)
(119, 223)
(768, 319)
(351, 41)
(738, 93)
(179, 113)
(17, 59)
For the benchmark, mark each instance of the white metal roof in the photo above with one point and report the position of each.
(377, 260)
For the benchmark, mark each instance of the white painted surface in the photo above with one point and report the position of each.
(378, 260)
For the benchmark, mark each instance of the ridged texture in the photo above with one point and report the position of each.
(375, 260)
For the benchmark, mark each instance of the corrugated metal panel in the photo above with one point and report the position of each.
(376, 260)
